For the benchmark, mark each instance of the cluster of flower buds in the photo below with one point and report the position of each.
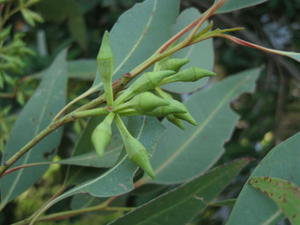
(143, 97)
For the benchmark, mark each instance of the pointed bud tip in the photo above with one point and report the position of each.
(105, 51)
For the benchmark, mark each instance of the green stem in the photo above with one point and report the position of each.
(121, 126)
(78, 98)
(53, 126)
(71, 213)
(117, 86)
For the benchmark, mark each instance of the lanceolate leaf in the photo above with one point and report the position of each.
(37, 114)
(200, 55)
(284, 193)
(282, 162)
(182, 204)
(139, 32)
(118, 180)
(183, 154)
(232, 5)
(82, 69)
(92, 160)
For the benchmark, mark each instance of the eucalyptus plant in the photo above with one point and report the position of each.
(139, 102)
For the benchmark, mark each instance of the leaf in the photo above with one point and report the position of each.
(200, 55)
(76, 24)
(82, 201)
(118, 180)
(48, 99)
(292, 55)
(285, 194)
(232, 5)
(31, 17)
(281, 162)
(182, 204)
(83, 69)
(197, 148)
(139, 32)
(92, 159)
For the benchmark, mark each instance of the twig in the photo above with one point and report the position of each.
(71, 213)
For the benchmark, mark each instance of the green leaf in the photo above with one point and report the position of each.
(282, 162)
(77, 28)
(49, 98)
(232, 5)
(118, 180)
(82, 201)
(197, 148)
(31, 17)
(76, 24)
(139, 32)
(82, 69)
(182, 204)
(285, 194)
(92, 159)
(200, 55)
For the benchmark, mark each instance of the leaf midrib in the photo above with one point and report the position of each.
(189, 197)
(200, 129)
(20, 172)
(140, 38)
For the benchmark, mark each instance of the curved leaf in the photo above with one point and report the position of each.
(37, 114)
(200, 55)
(197, 148)
(83, 69)
(284, 193)
(282, 162)
(118, 180)
(182, 204)
(139, 32)
(232, 5)
(93, 160)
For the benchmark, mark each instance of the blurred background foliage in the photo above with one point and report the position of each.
(31, 38)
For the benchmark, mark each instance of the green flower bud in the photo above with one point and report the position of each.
(172, 64)
(138, 154)
(176, 121)
(187, 117)
(102, 134)
(105, 60)
(147, 82)
(188, 75)
(128, 112)
(144, 102)
(165, 110)
(135, 149)
(178, 104)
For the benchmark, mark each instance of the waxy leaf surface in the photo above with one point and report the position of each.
(281, 162)
(183, 154)
(48, 99)
(182, 204)
(285, 194)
